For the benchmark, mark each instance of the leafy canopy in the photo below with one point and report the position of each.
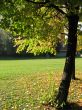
(34, 27)
(36, 24)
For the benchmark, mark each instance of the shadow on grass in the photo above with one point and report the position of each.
(20, 57)
(69, 106)
(77, 79)
(24, 58)
(72, 106)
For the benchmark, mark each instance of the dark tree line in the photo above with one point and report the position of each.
(6, 43)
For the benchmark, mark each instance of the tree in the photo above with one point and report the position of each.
(6, 43)
(72, 13)
(79, 43)
(69, 9)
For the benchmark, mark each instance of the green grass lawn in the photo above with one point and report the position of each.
(26, 84)
(31, 66)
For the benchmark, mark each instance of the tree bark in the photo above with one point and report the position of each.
(70, 60)
(73, 71)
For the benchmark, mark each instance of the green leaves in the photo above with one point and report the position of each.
(35, 46)
(35, 29)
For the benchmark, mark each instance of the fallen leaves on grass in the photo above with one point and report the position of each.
(29, 91)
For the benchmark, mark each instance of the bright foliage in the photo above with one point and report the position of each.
(35, 28)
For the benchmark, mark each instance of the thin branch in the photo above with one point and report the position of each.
(58, 16)
(65, 34)
(43, 3)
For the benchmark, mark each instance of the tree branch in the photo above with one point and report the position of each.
(48, 4)
(56, 7)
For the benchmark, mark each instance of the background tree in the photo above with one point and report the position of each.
(6, 43)
(79, 42)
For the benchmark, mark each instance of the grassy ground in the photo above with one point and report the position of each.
(26, 84)
(18, 67)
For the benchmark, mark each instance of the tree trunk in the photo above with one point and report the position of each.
(70, 60)
(73, 71)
